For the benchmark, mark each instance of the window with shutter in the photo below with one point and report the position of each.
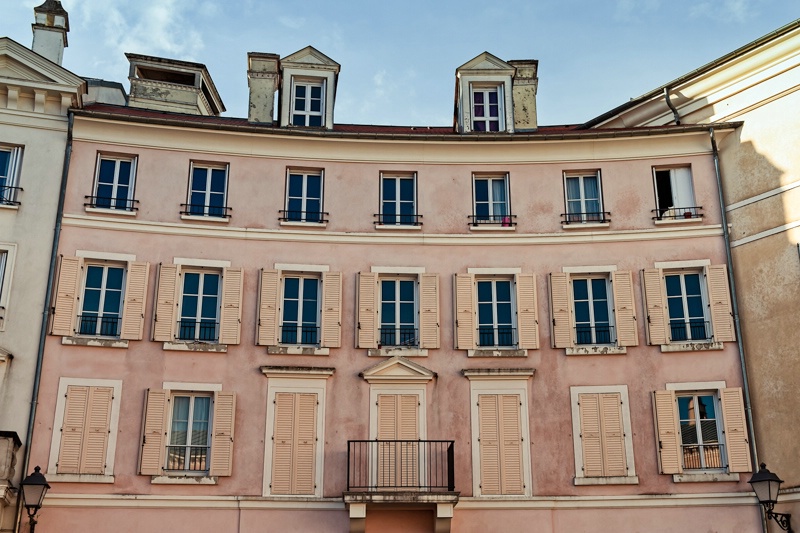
(500, 442)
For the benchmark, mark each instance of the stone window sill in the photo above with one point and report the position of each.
(10, 207)
(94, 341)
(188, 346)
(397, 350)
(691, 346)
(297, 350)
(101, 211)
(492, 227)
(678, 221)
(79, 478)
(596, 349)
(398, 227)
(586, 225)
(184, 480)
(291, 224)
(497, 352)
(214, 220)
(612, 480)
(704, 477)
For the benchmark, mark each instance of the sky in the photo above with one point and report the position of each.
(398, 58)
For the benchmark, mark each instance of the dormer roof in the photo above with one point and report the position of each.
(398, 370)
(310, 57)
(486, 64)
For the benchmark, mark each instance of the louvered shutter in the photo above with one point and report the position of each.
(166, 298)
(387, 430)
(560, 307)
(527, 315)
(151, 460)
(230, 319)
(268, 308)
(72, 430)
(222, 434)
(465, 311)
(668, 431)
(98, 424)
(614, 463)
(736, 440)
(408, 429)
(64, 309)
(489, 443)
(367, 334)
(624, 308)
(429, 311)
(591, 438)
(511, 477)
(135, 301)
(720, 303)
(331, 310)
(305, 444)
(656, 306)
(282, 444)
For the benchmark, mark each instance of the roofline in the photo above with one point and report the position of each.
(658, 92)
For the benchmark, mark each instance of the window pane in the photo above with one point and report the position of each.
(114, 278)
(481, 190)
(91, 300)
(180, 419)
(199, 178)
(211, 284)
(314, 187)
(124, 173)
(484, 291)
(5, 161)
(217, 180)
(580, 289)
(191, 283)
(673, 285)
(407, 291)
(314, 121)
(111, 302)
(389, 189)
(94, 276)
(295, 185)
(290, 309)
(499, 190)
(407, 189)
(573, 189)
(106, 174)
(503, 291)
(387, 291)
(582, 312)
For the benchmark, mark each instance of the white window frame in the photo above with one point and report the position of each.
(398, 176)
(707, 326)
(492, 219)
(8, 252)
(494, 325)
(9, 198)
(208, 167)
(486, 89)
(675, 212)
(308, 83)
(583, 216)
(193, 395)
(303, 219)
(397, 325)
(198, 313)
(723, 451)
(612, 336)
(103, 291)
(117, 159)
(302, 276)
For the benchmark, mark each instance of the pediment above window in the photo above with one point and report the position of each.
(22, 67)
(310, 56)
(398, 370)
(486, 63)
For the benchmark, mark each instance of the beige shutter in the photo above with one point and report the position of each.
(282, 443)
(135, 301)
(387, 430)
(614, 463)
(166, 299)
(230, 317)
(489, 443)
(151, 460)
(64, 309)
(591, 434)
(720, 303)
(465, 311)
(560, 307)
(72, 430)
(429, 311)
(97, 427)
(668, 432)
(624, 308)
(305, 444)
(222, 434)
(408, 429)
(656, 306)
(331, 325)
(511, 477)
(527, 316)
(268, 308)
(736, 441)
(367, 334)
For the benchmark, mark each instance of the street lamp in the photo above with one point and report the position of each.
(766, 486)
(33, 489)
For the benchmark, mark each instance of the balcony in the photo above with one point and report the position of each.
(689, 330)
(198, 331)
(678, 213)
(391, 337)
(8, 195)
(203, 210)
(504, 221)
(391, 219)
(597, 334)
(99, 325)
(312, 217)
(105, 202)
(299, 334)
(499, 337)
(588, 217)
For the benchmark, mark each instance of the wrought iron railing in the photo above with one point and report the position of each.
(198, 330)
(106, 202)
(400, 465)
(393, 336)
(187, 458)
(678, 213)
(299, 334)
(506, 221)
(689, 330)
(318, 217)
(397, 220)
(99, 325)
(503, 336)
(599, 217)
(204, 210)
(597, 334)
(697, 456)
(8, 195)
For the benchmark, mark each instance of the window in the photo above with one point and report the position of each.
(399, 201)
(10, 163)
(701, 430)
(3, 261)
(200, 299)
(674, 194)
(101, 311)
(492, 205)
(495, 309)
(308, 102)
(398, 312)
(188, 432)
(207, 192)
(114, 184)
(487, 108)
(584, 198)
(301, 311)
(602, 438)
(687, 305)
(304, 197)
(592, 302)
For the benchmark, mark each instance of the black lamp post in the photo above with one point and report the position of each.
(33, 489)
(766, 486)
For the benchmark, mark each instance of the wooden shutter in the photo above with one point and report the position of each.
(511, 478)
(268, 309)
(500, 444)
(429, 311)
(282, 440)
(489, 443)
(222, 434)
(559, 305)
(64, 309)
(331, 310)
(230, 319)
(151, 460)
(668, 432)
(166, 302)
(719, 300)
(367, 334)
(736, 440)
(656, 306)
(135, 300)
(591, 434)
(465, 312)
(72, 430)
(527, 316)
(97, 427)
(624, 308)
(614, 462)
(398, 419)
(294, 444)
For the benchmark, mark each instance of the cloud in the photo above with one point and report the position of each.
(628, 10)
(293, 23)
(727, 10)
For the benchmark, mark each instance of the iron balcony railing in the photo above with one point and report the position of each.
(689, 330)
(203, 210)
(8, 195)
(505, 221)
(299, 334)
(187, 458)
(597, 334)
(502, 336)
(697, 456)
(99, 325)
(394, 336)
(385, 219)
(318, 217)
(678, 213)
(400, 465)
(106, 202)
(599, 217)
(198, 330)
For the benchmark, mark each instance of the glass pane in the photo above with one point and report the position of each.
(485, 314)
(503, 291)
(407, 189)
(124, 173)
(493, 96)
(388, 313)
(504, 314)
(314, 121)
(298, 120)
(189, 307)
(210, 306)
(673, 285)
(573, 189)
(499, 190)
(582, 312)
(675, 306)
(5, 161)
(106, 174)
(217, 180)
(290, 309)
(481, 190)
(387, 291)
(407, 314)
(389, 189)
(692, 282)
(111, 304)
(199, 179)
(180, 419)
(191, 283)
(114, 278)
(94, 276)
(484, 291)
(211, 284)
(295, 185)
(314, 187)
(478, 97)
(91, 300)
(316, 92)
(580, 289)
(407, 291)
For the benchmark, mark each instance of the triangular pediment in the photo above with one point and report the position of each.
(486, 62)
(311, 56)
(398, 370)
(23, 64)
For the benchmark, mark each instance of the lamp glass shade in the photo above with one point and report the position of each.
(766, 485)
(34, 487)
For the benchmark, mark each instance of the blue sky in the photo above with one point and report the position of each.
(399, 58)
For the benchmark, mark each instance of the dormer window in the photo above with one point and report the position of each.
(308, 98)
(308, 89)
(487, 108)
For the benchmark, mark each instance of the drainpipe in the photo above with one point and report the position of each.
(45, 313)
(672, 107)
(735, 308)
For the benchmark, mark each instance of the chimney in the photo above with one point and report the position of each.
(524, 85)
(262, 78)
(50, 30)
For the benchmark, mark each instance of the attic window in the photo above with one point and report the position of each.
(179, 78)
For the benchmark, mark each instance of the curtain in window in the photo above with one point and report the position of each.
(682, 193)
(499, 197)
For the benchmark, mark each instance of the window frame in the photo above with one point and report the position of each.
(201, 297)
(302, 276)
(192, 395)
(720, 434)
(496, 334)
(12, 178)
(129, 200)
(7, 254)
(704, 303)
(592, 324)
(191, 210)
(303, 218)
(87, 264)
(499, 219)
(398, 202)
(398, 326)
(674, 212)
(584, 216)
(308, 82)
(486, 88)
